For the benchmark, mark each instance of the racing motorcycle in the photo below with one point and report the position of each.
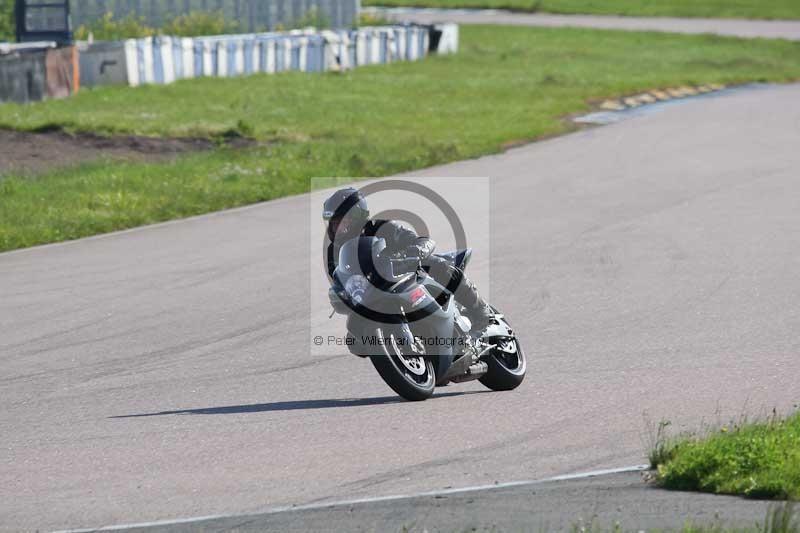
(411, 327)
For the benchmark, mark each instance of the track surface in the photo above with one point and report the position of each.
(771, 29)
(550, 506)
(650, 264)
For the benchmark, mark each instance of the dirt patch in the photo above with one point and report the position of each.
(32, 153)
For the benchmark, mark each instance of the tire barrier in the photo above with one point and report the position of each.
(376, 45)
(29, 74)
(163, 60)
(34, 74)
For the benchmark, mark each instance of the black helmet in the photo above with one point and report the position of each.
(345, 213)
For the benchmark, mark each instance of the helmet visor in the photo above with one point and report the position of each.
(345, 226)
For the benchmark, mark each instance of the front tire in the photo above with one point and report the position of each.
(410, 376)
(507, 365)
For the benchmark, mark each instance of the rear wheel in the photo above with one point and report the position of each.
(409, 373)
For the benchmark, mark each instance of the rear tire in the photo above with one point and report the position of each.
(412, 377)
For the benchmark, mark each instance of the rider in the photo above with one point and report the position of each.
(347, 216)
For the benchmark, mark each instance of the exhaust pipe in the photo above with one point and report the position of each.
(473, 372)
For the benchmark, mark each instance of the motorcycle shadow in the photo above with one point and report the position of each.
(294, 405)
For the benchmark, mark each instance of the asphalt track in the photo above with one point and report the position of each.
(769, 29)
(595, 503)
(650, 266)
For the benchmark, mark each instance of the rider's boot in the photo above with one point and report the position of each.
(466, 293)
(477, 310)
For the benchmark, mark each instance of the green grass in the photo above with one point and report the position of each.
(759, 460)
(505, 86)
(755, 9)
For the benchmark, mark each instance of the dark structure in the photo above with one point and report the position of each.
(33, 73)
(43, 20)
(22, 77)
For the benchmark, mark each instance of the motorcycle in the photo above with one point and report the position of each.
(411, 327)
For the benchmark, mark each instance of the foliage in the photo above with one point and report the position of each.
(313, 18)
(760, 460)
(196, 23)
(371, 19)
(7, 20)
(199, 23)
(662, 445)
(107, 28)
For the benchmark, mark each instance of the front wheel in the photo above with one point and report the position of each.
(507, 364)
(410, 374)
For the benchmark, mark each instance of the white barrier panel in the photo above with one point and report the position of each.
(256, 57)
(238, 69)
(448, 42)
(269, 54)
(187, 52)
(132, 62)
(376, 40)
(207, 59)
(303, 59)
(413, 45)
(146, 67)
(287, 54)
(221, 64)
(402, 45)
(167, 62)
(361, 48)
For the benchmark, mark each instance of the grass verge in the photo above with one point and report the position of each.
(507, 85)
(745, 9)
(758, 460)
